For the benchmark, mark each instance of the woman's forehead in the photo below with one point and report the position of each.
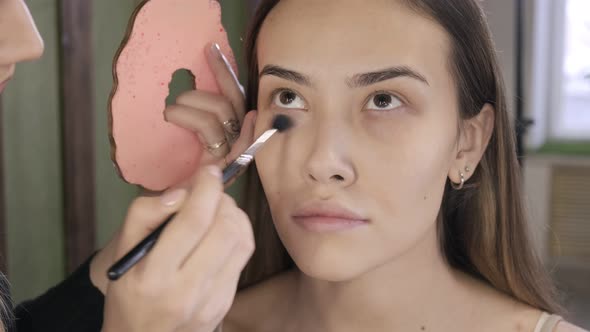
(349, 36)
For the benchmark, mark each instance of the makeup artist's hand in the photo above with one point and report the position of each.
(189, 279)
(205, 114)
(105, 258)
(215, 118)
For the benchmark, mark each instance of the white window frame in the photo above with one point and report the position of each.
(545, 74)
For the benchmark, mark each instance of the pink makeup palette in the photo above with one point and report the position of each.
(163, 36)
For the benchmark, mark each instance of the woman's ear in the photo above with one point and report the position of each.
(473, 141)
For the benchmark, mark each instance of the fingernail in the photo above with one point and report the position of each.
(214, 170)
(215, 50)
(173, 197)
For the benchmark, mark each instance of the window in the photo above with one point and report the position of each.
(570, 118)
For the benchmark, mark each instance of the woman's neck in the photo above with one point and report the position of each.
(413, 292)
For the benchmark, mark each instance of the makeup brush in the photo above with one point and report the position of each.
(281, 123)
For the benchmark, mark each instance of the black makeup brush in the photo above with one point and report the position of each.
(281, 123)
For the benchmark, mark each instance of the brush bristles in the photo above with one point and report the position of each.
(282, 123)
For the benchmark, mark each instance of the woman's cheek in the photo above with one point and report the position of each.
(390, 127)
(410, 171)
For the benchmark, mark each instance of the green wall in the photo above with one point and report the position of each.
(112, 194)
(32, 164)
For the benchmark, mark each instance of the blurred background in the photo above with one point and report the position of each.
(61, 198)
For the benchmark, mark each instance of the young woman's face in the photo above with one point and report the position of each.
(359, 180)
(19, 38)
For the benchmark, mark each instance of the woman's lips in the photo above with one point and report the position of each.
(327, 224)
(324, 217)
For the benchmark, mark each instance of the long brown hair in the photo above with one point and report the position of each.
(482, 228)
(7, 321)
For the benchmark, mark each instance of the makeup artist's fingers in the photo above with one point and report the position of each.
(226, 79)
(245, 139)
(246, 136)
(212, 272)
(231, 232)
(200, 121)
(217, 300)
(211, 240)
(204, 123)
(144, 215)
(232, 236)
(209, 256)
(210, 102)
(220, 297)
(191, 223)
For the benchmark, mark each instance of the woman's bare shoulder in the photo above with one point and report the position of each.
(260, 307)
(564, 326)
(494, 310)
(521, 316)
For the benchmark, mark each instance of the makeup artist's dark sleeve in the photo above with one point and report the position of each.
(73, 305)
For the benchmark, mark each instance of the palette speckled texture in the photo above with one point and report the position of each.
(163, 36)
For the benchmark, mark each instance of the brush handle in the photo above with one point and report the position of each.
(143, 248)
(137, 253)
(235, 169)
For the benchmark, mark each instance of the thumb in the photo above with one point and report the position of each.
(145, 215)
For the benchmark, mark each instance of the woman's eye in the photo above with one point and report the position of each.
(383, 102)
(288, 99)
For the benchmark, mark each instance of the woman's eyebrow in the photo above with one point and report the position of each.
(290, 75)
(356, 81)
(366, 79)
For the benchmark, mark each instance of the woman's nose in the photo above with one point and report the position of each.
(329, 161)
(19, 38)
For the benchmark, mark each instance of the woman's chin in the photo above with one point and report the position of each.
(330, 269)
(323, 274)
